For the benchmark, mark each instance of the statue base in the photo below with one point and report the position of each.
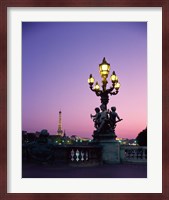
(107, 135)
(110, 147)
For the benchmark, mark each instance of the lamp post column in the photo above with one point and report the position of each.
(104, 134)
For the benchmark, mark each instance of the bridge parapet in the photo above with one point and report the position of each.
(80, 155)
(133, 154)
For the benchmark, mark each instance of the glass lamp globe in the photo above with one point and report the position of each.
(113, 77)
(117, 86)
(104, 68)
(97, 87)
(90, 80)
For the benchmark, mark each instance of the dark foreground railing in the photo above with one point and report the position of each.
(84, 155)
(78, 155)
(53, 154)
(133, 154)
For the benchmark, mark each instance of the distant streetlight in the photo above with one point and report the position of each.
(104, 69)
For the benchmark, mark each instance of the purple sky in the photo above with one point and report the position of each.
(57, 59)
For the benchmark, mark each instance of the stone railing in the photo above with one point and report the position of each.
(133, 154)
(53, 154)
(79, 155)
(85, 155)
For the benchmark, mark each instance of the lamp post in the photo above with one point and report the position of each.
(104, 69)
(105, 121)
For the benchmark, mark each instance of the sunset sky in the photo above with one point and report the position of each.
(57, 59)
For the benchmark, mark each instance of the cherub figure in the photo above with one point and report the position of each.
(96, 118)
(113, 115)
(103, 117)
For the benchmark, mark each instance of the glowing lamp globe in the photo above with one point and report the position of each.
(117, 86)
(114, 78)
(97, 87)
(90, 80)
(104, 68)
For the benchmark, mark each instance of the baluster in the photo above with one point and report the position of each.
(82, 156)
(72, 155)
(77, 155)
(142, 151)
(137, 153)
(134, 154)
(126, 154)
(145, 154)
(129, 153)
(87, 155)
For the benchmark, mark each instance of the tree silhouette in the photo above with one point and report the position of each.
(142, 138)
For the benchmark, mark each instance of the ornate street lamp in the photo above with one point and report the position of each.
(104, 69)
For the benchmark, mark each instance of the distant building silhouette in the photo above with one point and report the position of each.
(60, 131)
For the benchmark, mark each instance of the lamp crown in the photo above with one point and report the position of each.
(104, 62)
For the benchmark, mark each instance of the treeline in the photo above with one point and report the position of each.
(142, 138)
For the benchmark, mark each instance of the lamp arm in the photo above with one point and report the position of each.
(114, 93)
(91, 87)
(98, 93)
(110, 89)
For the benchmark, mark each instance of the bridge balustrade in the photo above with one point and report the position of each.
(79, 155)
(133, 154)
(85, 155)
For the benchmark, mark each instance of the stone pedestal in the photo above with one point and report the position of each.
(110, 148)
(110, 151)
